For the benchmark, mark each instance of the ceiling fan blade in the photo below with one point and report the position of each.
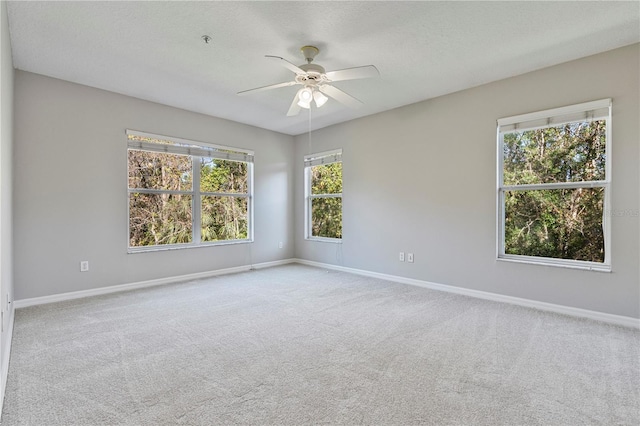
(294, 109)
(366, 71)
(340, 96)
(286, 64)
(272, 86)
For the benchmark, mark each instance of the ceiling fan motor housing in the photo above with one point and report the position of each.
(314, 72)
(312, 68)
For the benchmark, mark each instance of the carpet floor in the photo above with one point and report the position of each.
(296, 345)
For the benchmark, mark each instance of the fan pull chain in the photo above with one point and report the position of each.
(310, 152)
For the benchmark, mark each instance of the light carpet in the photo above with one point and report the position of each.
(296, 345)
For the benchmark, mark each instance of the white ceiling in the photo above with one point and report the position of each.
(154, 51)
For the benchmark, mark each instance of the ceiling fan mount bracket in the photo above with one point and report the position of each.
(309, 52)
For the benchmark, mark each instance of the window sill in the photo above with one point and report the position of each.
(325, 240)
(168, 247)
(558, 263)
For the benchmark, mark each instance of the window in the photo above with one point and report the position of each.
(553, 186)
(323, 193)
(185, 194)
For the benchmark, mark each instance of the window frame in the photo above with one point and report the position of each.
(196, 151)
(317, 159)
(594, 110)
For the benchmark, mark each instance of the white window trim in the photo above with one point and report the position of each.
(326, 157)
(600, 109)
(195, 150)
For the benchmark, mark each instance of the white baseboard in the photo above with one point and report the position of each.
(272, 264)
(550, 307)
(23, 303)
(5, 357)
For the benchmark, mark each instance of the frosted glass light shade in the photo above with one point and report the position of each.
(319, 98)
(305, 96)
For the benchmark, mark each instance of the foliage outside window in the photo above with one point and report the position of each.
(323, 176)
(553, 186)
(184, 194)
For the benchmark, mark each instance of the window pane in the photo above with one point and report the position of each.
(156, 170)
(326, 179)
(573, 152)
(223, 176)
(224, 218)
(326, 217)
(156, 219)
(556, 223)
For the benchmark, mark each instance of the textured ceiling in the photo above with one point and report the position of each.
(153, 50)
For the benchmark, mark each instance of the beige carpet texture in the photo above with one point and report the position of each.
(298, 345)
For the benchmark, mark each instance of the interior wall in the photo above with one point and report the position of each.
(422, 179)
(6, 231)
(71, 188)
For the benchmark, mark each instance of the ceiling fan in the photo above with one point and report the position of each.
(316, 82)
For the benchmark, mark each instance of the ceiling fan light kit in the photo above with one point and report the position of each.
(316, 82)
(308, 94)
(305, 96)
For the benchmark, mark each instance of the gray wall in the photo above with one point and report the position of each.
(422, 179)
(6, 190)
(71, 188)
(435, 197)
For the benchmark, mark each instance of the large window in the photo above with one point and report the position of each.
(184, 193)
(323, 192)
(553, 186)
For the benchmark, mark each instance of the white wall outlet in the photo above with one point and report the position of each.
(84, 266)
(401, 257)
(280, 245)
(410, 257)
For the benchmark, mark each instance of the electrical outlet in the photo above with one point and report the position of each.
(401, 257)
(410, 257)
(280, 245)
(84, 266)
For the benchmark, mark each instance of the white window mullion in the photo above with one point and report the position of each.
(196, 212)
(250, 201)
(308, 218)
(500, 194)
(326, 195)
(158, 191)
(307, 204)
(606, 220)
(501, 224)
(225, 194)
(556, 185)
